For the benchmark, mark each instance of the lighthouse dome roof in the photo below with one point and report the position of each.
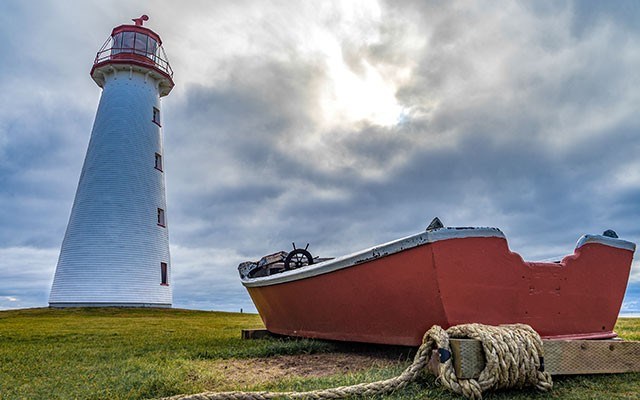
(134, 47)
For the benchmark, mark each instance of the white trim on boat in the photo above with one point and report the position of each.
(372, 253)
(607, 241)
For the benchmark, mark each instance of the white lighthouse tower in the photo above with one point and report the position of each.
(116, 248)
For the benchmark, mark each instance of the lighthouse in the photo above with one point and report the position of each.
(115, 250)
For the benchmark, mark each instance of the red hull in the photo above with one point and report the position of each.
(395, 298)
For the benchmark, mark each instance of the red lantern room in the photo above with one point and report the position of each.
(134, 48)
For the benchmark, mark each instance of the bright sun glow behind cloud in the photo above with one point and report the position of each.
(352, 87)
(355, 89)
(350, 97)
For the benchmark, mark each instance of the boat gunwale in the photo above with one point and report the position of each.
(405, 243)
(606, 240)
(372, 253)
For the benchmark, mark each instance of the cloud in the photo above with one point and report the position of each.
(635, 272)
(505, 117)
(27, 273)
(206, 278)
(342, 125)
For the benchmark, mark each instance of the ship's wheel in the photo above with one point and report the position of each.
(298, 258)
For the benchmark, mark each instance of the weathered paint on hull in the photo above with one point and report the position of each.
(394, 299)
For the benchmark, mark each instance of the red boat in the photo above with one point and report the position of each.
(394, 292)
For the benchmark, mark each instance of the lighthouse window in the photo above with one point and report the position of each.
(128, 40)
(141, 44)
(164, 276)
(158, 162)
(117, 44)
(156, 116)
(138, 43)
(152, 45)
(161, 219)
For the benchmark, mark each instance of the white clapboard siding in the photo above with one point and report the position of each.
(113, 246)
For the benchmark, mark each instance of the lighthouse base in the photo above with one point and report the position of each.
(132, 305)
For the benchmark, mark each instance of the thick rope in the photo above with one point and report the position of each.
(513, 355)
(513, 358)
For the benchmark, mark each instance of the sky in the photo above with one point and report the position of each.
(339, 124)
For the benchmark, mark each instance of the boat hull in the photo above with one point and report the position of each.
(395, 297)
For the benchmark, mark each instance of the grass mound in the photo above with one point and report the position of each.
(118, 353)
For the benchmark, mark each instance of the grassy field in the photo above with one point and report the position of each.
(148, 353)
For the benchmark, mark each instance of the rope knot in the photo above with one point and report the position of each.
(513, 355)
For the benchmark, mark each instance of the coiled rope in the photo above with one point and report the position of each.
(513, 355)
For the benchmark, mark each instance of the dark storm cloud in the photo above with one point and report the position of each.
(519, 129)
(46, 112)
(590, 13)
(36, 178)
(520, 116)
(231, 142)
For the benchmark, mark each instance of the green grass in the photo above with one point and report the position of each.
(145, 353)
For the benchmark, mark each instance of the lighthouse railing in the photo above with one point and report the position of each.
(157, 58)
